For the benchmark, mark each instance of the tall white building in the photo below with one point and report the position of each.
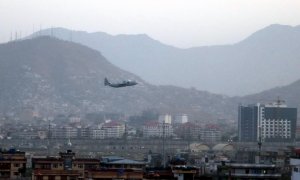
(167, 118)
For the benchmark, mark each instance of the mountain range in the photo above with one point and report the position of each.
(51, 75)
(268, 58)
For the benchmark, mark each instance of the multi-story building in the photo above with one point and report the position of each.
(114, 167)
(12, 164)
(271, 122)
(27, 134)
(113, 129)
(156, 129)
(247, 123)
(70, 132)
(295, 165)
(65, 166)
(211, 133)
(57, 133)
(83, 132)
(68, 166)
(74, 119)
(237, 171)
(96, 133)
(188, 130)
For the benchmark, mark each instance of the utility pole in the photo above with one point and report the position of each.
(49, 135)
(259, 145)
(164, 155)
(125, 134)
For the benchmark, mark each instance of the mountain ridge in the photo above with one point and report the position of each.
(49, 74)
(218, 69)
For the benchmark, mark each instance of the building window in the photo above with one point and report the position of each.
(295, 169)
(80, 166)
(16, 165)
(55, 165)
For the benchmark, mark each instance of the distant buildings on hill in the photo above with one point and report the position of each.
(177, 126)
(181, 128)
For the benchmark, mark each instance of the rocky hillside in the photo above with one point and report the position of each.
(51, 75)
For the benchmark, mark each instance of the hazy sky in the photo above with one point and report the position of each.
(182, 23)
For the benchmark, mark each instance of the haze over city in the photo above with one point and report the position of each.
(175, 22)
(150, 89)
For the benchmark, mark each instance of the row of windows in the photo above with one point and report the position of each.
(276, 129)
(286, 137)
(267, 122)
(277, 133)
(56, 165)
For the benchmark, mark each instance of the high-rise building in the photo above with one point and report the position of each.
(247, 123)
(273, 122)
